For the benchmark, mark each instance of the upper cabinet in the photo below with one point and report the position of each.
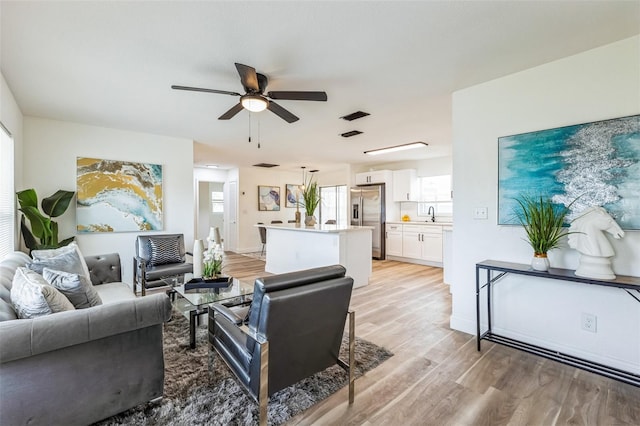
(377, 176)
(405, 185)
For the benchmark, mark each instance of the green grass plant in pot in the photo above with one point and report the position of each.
(311, 199)
(543, 222)
(43, 231)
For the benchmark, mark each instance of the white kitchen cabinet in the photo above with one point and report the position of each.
(393, 239)
(423, 242)
(405, 185)
(432, 245)
(377, 176)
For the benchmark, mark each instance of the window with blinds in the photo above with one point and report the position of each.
(7, 194)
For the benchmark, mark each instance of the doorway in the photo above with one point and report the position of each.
(210, 208)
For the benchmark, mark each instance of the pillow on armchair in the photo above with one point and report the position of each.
(163, 250)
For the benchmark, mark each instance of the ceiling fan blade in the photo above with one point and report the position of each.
(281, 112)
(248, 77)
(232, 112)
(199, 89)
(298, 96)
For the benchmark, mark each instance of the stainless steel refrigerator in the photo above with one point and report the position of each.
(368, 209)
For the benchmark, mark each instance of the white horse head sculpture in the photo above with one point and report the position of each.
(588, 232)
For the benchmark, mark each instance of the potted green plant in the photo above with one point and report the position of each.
(44, 231)
(543, 221)
(311, 199)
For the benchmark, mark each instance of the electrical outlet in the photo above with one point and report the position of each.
(589, 322)
(480, 213)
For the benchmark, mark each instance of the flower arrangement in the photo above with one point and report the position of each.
(212, 261)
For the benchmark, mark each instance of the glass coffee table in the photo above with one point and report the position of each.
(193, 303)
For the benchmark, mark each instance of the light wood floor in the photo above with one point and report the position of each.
(437, 377)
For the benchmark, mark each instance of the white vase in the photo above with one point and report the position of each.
(198, 256)
(540, 262)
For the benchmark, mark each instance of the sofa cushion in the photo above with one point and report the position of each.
(114, 292)
(75, 287)
(164, 250)
(68, 261)
(73, 246)
(33, 297)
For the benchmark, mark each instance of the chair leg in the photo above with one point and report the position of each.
(263, 396)
(352, 355)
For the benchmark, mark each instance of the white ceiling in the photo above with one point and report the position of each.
(112, 64)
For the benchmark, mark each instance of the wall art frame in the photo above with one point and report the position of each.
(268, 198)
(595, 164)
(118, 196)
(293, 195)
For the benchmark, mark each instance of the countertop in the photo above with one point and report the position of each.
(317, 228)
(446, 226)
(419, 222)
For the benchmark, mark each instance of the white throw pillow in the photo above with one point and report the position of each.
(75, 287)
(33, 297)
(72, 246)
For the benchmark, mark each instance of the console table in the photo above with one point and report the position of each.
(495, 270)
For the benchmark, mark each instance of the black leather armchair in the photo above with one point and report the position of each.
(294, 329)
(150, 271)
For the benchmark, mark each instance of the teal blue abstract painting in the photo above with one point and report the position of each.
(596, 164)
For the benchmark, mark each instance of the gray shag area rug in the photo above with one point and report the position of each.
(200, 390)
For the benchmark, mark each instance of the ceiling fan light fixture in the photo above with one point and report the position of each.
(254, 103)
(396, 148)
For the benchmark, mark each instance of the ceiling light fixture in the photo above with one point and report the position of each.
(254, 103)
(396, 148)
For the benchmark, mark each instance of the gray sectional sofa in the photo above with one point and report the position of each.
(80, 366)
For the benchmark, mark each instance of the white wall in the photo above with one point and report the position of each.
(50, 151)
(11, 117)
(598, 84)
(248, 214)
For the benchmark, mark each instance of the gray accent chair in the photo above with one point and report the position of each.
(146, 275)
(78, 367)
(294, 330)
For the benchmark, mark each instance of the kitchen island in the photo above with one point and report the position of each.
(292, 247)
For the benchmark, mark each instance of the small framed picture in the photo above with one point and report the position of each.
(268, 198)
(293, 195)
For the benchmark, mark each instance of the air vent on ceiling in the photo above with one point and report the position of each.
(355, 115)
(350, 133)
(266, 165)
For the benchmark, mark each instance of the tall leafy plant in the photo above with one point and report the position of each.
(311, 197)
(543, 222)
(43, 231)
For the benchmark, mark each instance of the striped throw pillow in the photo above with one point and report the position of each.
(164, 250)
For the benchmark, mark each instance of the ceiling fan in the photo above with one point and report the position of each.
(255, 99)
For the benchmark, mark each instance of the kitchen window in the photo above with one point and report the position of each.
(435, 191)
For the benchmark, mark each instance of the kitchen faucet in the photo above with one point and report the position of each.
(432, 212)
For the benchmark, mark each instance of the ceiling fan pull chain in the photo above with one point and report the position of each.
(258, 132)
